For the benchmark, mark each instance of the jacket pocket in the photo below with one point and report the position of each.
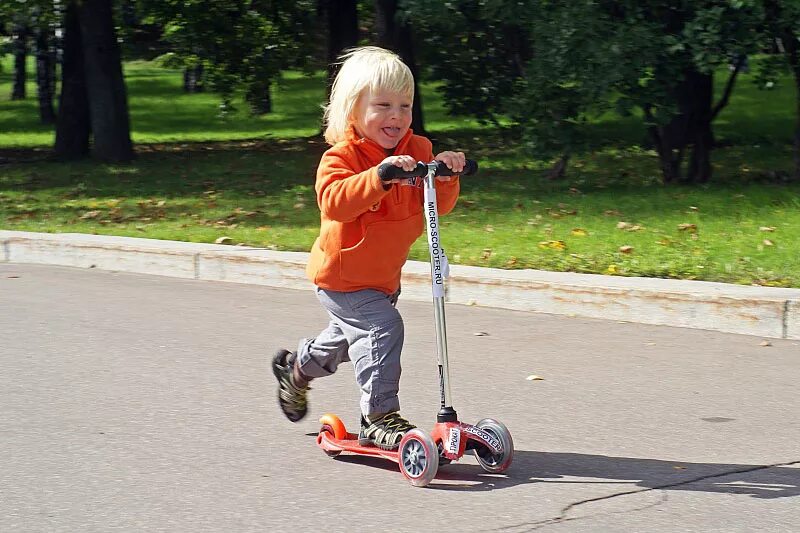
(379, 256)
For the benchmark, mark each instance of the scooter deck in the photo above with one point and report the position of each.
(329, 443)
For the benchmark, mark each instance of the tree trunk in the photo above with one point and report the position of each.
(670, 157)
(44, 74)
(20, 36)
(105, 85)
(258, 97)
(342, 16)
(559, 169)
(700, 161)
(193, 79)
(398, 37)
(73, 126)
(666, 141)
(689, 128)
(700, 136)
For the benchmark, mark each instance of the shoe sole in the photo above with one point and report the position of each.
(278, 364)
(370, 442)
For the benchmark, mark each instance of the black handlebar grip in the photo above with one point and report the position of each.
(389, 172)
(470, 168)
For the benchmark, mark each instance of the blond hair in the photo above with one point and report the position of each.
(368, 67)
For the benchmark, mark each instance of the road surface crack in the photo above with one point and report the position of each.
(563, 516)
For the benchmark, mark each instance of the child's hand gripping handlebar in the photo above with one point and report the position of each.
(389, 172)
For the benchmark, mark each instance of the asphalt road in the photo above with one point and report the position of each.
(136, 403)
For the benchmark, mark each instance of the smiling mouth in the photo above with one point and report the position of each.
(391, 131)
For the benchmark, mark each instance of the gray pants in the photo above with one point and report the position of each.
(365, 328)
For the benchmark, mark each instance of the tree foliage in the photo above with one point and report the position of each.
(550, 65)
(241, 44)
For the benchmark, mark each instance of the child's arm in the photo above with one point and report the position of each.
(342, 193)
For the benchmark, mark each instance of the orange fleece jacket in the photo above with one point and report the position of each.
(367, 231)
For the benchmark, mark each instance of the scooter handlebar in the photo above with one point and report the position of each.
(389, 172)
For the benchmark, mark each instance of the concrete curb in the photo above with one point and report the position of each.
(761, 311)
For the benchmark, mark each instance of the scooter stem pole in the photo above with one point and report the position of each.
(446, 413)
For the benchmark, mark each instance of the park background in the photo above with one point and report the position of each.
(652, 138)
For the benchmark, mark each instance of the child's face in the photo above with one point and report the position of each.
(384, 117)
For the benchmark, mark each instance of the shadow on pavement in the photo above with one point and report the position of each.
(629, 474)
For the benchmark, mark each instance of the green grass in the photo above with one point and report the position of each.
(198, 178)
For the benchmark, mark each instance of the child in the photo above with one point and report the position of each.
(367, 228)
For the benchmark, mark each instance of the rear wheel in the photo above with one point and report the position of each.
(329, 430)
(490, 460)
(418, 458)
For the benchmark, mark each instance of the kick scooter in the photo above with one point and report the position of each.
(420, 454)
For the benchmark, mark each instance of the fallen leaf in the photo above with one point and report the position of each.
(688, 227)
(626, 249)
(678, 467)
(223, 240)
(766, 228)
(765, 343)
(481, 334)
(534, 377)
(90, 214)
(623, 225)
(554, 245)
(579, 232)
(768, 242)
(693, 208)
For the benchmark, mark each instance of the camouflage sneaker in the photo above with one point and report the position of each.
(292, 399)
(386, 432)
